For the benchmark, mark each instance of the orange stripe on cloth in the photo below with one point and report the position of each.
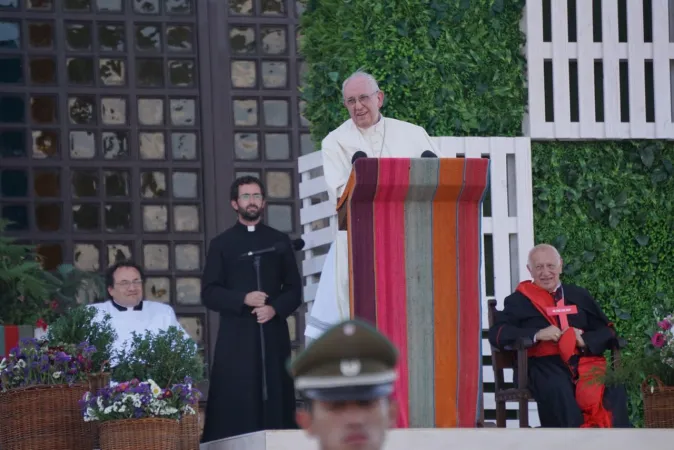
(445, 291)
(389, 250)
(470, 305)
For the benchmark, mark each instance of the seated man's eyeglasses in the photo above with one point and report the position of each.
(247, 197)
(126, 283)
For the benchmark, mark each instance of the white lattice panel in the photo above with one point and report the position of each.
(637, 73)
(510, 224)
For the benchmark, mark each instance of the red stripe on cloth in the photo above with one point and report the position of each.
(361, 238)
(11, 337)
(470, 326)
(389, 238)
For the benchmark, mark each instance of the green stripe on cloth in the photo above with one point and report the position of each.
(419, 280)
(2, 341)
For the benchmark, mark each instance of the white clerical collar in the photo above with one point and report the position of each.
(378, 127)
(118, 307)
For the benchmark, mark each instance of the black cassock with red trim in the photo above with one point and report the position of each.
(560, 373)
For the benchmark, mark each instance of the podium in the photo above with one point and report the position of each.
(415, 254)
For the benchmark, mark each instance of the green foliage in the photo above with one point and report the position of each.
(79, 325)
(454, 67)
(609, 208)
(166, 357)
(24, 289)
(28, 292)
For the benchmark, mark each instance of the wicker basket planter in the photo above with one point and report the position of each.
(44, 416)
(136, 434)
(97, 381)
(189, 432)
(658, 404)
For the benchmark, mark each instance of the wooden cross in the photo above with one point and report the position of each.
(562, 311)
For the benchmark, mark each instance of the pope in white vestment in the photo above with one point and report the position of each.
(378, 137)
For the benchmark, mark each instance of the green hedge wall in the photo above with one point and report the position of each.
(453, 67)
(609, 208)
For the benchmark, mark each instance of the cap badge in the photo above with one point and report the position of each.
(350, 367)
(349, 329)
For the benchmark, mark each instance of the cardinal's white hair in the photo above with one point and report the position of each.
(543, 247)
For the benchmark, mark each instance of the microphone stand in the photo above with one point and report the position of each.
(256, 264)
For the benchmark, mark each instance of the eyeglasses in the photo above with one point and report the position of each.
(351, 101)
(126, 283)
(247, 197)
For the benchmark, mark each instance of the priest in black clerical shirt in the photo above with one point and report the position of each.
(570, 334)
(229, 287)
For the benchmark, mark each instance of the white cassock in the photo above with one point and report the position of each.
(388, 138)
(146, 316)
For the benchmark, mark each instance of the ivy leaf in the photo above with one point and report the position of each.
(560, 242)
(588, 256)
(624, 315)
(642, 240)
(465, 4)
(498, 6)
(647, 156)
(334, 76)
(658, 176)
(613, 218)
(621, 199)
(668, 166)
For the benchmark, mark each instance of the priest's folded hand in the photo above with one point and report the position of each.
(255, 299)
(579, 339)
(551, 333)
(264, 313)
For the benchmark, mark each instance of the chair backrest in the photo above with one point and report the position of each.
(500, 360)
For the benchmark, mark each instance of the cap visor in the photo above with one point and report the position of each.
(350, 393)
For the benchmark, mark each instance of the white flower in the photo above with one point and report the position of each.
(3, 363)
(56, 375)
(156, 390)
(21, 364)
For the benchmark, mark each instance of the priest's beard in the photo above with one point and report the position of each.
(250, 214)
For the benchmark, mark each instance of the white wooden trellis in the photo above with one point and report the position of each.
(510, 224)
(610, 52)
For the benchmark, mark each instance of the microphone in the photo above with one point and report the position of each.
(298, 244)
(428, 154)
(279, 247)
(359, 154)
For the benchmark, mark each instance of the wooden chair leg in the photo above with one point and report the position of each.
(524, 414)
(500, 414)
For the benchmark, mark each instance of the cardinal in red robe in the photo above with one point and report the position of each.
(570, 334)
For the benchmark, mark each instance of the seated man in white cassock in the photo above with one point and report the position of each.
(129, 312)
(377, 136)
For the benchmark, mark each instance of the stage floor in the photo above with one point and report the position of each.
(485, 438)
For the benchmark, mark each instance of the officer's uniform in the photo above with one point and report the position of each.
(352, 361)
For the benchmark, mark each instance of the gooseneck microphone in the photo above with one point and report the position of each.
(279, 247)
(428, 154)
(359, 154)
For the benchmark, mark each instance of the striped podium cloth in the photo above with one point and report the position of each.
(415, 252)
(11, 334)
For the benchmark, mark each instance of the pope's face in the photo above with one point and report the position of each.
(127, 289)
(363, 101)
(349, 425)
(545, 268)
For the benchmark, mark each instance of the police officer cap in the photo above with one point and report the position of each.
(350, 361)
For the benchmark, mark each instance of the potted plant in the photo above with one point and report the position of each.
(165, 357)
(40, 386)
(140, 414)
(81, 324)
(652, 367)
(31, 298)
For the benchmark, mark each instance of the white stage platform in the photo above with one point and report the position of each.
(485, 438)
